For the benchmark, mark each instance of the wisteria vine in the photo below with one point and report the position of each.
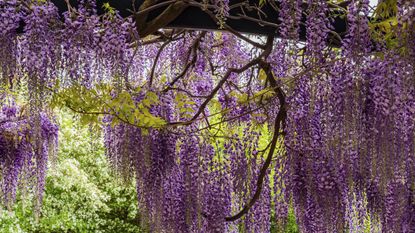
(222, 131)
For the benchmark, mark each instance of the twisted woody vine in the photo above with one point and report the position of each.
(222, 131)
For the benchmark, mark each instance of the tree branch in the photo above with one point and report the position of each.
(169, 14)
(193, 50)
(150, 83)
(140, 19)
(257, 60)
(278, 125)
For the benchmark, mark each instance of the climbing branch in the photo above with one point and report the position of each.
(278, 125)
(192, 52)
(263, 56)
(145, 28)
(150, 83)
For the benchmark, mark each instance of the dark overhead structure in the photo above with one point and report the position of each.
(244, 16)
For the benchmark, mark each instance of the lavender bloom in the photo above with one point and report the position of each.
(16, 152)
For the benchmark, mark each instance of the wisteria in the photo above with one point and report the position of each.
(223, 131)
(24, 158)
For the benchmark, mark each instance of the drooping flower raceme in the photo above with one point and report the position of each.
(21, 162)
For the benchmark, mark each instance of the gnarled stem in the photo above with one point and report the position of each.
(278, 125)
(169, 14)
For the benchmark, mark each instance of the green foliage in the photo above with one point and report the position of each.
(94, 103)
(184, 105)
(386, 9)
(108, 8)
(81, 193)
(385, 28)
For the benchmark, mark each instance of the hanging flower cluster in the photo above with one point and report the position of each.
(350, 139)
(10, 19)
(23, 157)
(353, 139)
